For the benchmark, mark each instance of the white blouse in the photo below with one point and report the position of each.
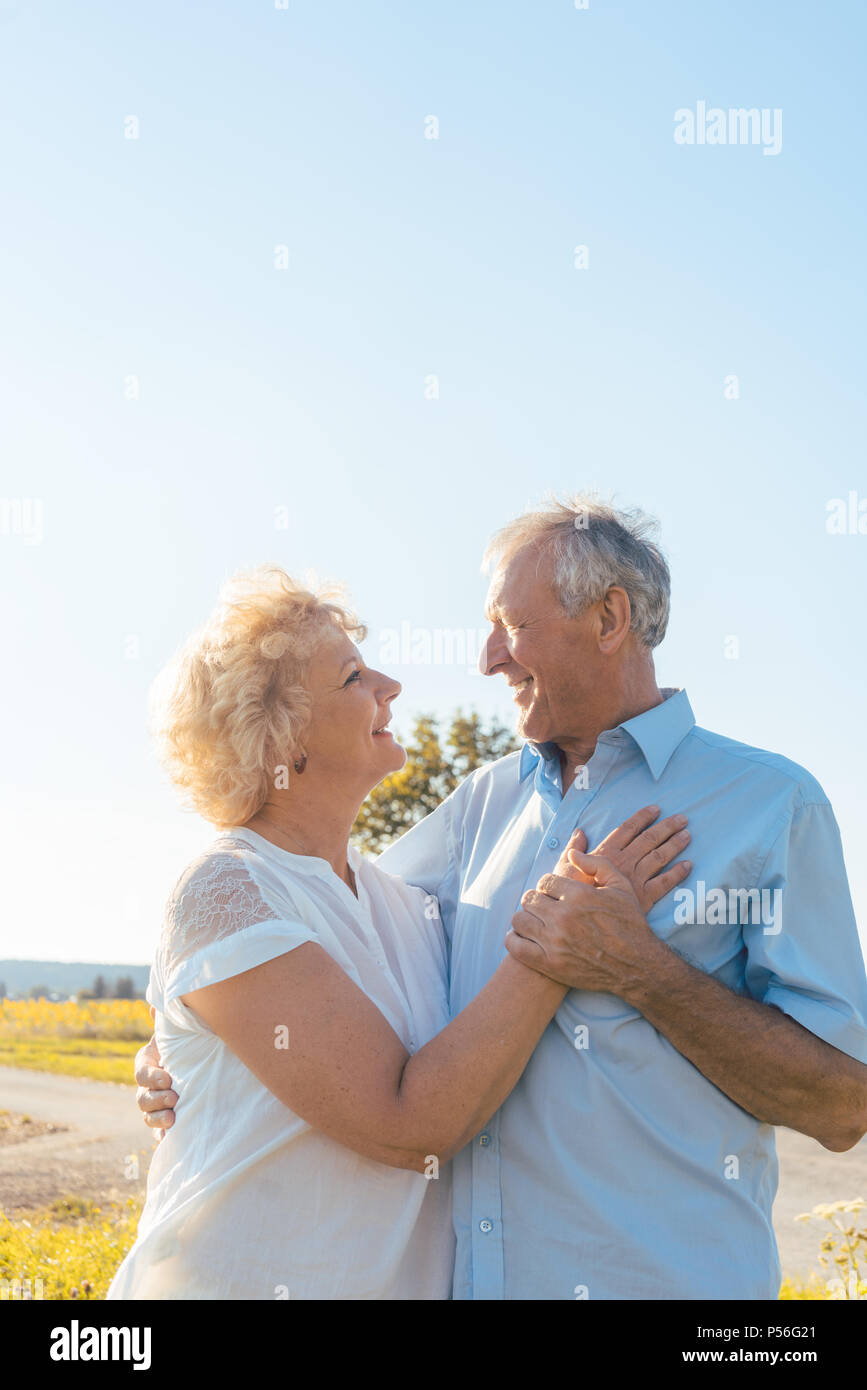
(245, 1200)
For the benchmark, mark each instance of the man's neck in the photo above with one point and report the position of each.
(575, 752)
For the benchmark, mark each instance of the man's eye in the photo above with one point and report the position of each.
(353, 676)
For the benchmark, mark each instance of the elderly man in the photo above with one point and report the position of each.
(635, 1158)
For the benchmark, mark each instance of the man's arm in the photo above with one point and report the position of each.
(595, 937)
(763, 1060)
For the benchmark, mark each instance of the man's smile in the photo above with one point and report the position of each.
(518, 687)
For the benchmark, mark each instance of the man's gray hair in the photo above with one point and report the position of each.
(595, 546)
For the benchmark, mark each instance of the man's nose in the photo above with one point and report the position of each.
(493, 653)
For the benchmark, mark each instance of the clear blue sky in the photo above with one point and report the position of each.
(259, 388)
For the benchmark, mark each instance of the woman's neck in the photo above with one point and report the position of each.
(303, 831)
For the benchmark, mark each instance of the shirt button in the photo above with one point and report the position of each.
(484, 1140)
(553, 842)
(486, 1226)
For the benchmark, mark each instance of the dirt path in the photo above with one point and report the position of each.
(104, 1133)
(94, 1155)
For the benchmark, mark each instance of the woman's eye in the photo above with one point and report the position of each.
(353, 676)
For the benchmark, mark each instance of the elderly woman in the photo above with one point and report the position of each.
(300, 992)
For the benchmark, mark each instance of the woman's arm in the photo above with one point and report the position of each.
(345, 1070)
(347, 1073)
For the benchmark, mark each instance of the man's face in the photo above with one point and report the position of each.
(551, 661)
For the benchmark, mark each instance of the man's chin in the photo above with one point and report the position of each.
(530, 729)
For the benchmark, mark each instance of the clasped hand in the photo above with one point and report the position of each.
(584, 925)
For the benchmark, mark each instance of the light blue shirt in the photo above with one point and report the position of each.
(615, 1169)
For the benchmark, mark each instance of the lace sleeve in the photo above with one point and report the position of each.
(218, 924)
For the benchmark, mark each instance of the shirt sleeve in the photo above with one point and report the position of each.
(804, 955)
(426, 857)
(219, 924)
(243, 950)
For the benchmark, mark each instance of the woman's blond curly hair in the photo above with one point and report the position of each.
(227, 712)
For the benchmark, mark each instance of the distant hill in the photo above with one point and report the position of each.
(66, 977)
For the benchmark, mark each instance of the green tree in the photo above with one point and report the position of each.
(124, 987)
(40, 991)
(100, 989)
(434, 767)
(473, 745)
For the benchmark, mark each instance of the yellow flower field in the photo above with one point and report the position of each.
(72, 1249)
(127, 1019)
(95, 1038)
(69, 1251)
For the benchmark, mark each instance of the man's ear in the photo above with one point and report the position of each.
(616, 619)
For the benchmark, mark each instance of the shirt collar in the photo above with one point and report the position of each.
(658, 732)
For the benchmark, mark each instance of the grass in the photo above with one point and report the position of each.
(69, 1250)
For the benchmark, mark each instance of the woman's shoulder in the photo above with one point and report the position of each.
(225, 858)
(226, 914)
(218, 892)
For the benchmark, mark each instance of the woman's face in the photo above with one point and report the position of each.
(351, 704)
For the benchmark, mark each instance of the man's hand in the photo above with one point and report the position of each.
(593, 936)
(642, 851)
(589, 934)
(154, 1095)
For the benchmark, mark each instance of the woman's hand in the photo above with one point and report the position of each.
(641, 851)
(154, 1096)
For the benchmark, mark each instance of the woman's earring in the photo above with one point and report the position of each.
(300, 763)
